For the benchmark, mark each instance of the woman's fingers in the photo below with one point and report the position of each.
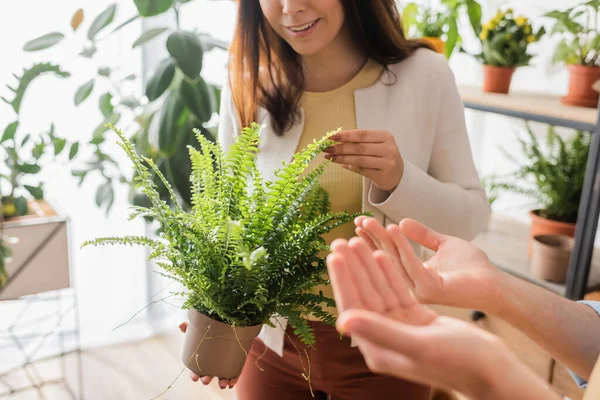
(382, 331)
(421, 234)
(356, 149)
(194, 376)
(379, 281)
(206, 380)
(362, 136)
(364, 235)
(363, 161)
(396, 278)
(345, 292)
(353, 267)
(382, 237)
(410, 261)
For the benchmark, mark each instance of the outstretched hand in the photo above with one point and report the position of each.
(459, 274)
(399, 336)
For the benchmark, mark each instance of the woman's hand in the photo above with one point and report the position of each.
(373, 154)
(223, 383)
(398, 336)
(459, 274)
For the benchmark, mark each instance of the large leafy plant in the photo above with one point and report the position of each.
(505, 40)
(578, 28)
(22, 153)
(425, 20)
(247, 250)
(553, 176)
(174, 100)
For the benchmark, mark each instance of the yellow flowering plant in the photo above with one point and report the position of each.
(505, 39)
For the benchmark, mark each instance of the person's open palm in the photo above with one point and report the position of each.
(381, 289)
(398, 336)
(459, 274)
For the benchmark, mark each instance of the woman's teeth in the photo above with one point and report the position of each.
(303, 27)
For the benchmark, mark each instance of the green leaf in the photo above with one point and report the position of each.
(84, 91)
(475, 15)
(161, 79)
(29, 168)
(59, 145)
(38, 150)
(186, 49)
(199, 98)
(129, 77)
(105, 104)
(89, 51)
(150, 8)
(74, 150)
(101, 21)
(130, 102)
(171, 121)
(98, 136)
(105, 195)
(409, 16)
(22, 206)
(147, 36)
(25, 139)
(452, 37)
(104, 71)
(29, 75)
(35, 191)
(44, 41)
(10, 132)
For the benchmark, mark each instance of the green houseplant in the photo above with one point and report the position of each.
(504, 43)
(174, 99)
(245, 252)
(439, 26)
(23, 154)
(553, 177)
(579, 48)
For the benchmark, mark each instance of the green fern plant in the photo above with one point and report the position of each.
(554, 178)
(248, 249)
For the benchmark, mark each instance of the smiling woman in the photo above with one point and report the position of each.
(305, 67)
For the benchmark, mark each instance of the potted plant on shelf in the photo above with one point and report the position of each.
(504, 43)
(24, 154)
(550, 256)
(245, 252)
(31, 229)
(439, 26)
(579, 48)
(554, 178)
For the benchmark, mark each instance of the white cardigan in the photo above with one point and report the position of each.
(422, 108)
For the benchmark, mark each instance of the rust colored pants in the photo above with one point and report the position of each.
(336, 369)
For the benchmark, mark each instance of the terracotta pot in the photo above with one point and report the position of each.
(497, 79)
(220, 353)
(437, 43)
(581, 86)
(550, 257)
(545, 226)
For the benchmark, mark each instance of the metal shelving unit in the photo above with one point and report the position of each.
(548, 109)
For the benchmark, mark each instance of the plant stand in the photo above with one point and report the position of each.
(42, 335)
(39, 328)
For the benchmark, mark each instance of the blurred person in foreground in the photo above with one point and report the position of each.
(381, 287)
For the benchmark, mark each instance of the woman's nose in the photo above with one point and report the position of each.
(293, 7)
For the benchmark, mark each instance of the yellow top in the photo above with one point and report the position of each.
(328, 111)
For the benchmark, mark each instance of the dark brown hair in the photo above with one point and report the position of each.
(265, 71)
